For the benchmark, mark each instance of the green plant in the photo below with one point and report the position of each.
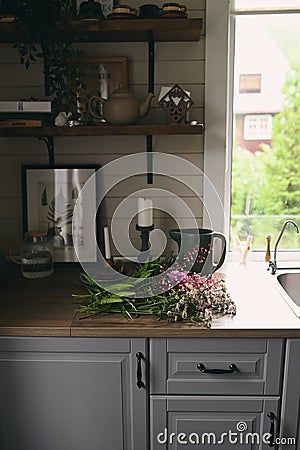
(60, 212)
(48, 36)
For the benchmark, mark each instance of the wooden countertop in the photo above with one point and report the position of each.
(45, 307)
(42, 307)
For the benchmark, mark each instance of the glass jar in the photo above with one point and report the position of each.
(36, 255)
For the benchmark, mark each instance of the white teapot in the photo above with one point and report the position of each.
(122, 108)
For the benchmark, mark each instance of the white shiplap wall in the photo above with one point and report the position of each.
(181, 63)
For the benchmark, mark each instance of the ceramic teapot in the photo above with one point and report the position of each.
(122, 108)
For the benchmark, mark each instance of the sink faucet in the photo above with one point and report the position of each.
(273, 264)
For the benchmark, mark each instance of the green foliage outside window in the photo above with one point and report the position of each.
(267, 182)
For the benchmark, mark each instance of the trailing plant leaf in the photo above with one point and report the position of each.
(46, 24)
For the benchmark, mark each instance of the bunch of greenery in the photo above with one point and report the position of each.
(193, 297)
(48, 36)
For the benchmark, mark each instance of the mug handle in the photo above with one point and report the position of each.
(91, 108)
(119, 265)
(223, 250)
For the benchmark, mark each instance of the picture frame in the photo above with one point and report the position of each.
(49, 194)
(101, 77)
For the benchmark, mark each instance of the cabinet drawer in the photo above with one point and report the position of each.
(211, 422)
(216, 366)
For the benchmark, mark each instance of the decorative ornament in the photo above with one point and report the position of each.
(62, 118)
(176, 102)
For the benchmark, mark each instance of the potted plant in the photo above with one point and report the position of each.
(48, 36)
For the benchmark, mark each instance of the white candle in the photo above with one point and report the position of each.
(145, 212)
(107, 244)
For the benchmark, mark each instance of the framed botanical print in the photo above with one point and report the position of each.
(49, 195)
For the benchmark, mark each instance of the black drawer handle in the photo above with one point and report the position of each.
(272, 429)
(231, 368)
(139, 382)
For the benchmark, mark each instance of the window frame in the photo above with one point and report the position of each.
(219, 50)
(218, 114)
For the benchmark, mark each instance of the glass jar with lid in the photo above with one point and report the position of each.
(36, 255)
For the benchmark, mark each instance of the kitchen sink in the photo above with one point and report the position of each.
(289, 283)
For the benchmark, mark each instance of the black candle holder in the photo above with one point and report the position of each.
(145, 231)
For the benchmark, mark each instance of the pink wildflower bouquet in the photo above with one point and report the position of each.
(196, 298)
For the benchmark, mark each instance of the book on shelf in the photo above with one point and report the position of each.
(47, 118)
(20, 123)
(24, 106)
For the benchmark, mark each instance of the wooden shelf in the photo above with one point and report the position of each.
(128, 30)
(125, 30)
(102, 130)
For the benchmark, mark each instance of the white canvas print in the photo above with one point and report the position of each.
(48, 204)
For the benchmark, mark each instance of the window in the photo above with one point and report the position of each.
(261, 107)
(264, 5)
(250, 83)
(258, 127)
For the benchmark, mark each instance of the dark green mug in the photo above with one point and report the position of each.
(199, 241)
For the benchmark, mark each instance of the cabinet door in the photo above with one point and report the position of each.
(71, 394)
(211, 422)
(290, 423)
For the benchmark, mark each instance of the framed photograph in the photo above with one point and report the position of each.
(49, 194)
(101, 77)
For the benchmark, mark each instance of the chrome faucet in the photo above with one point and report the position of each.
(273, 264)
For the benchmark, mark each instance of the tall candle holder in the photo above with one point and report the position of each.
(145, 231)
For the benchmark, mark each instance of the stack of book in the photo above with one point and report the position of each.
(25, 114)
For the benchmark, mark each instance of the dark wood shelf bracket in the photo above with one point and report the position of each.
(151, 44)
(49, 141)
(149, 159)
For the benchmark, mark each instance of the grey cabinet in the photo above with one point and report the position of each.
(92, 393)
(72, 394)
(214, 392)
(290, 415)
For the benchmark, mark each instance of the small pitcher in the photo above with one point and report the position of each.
(204, 263)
